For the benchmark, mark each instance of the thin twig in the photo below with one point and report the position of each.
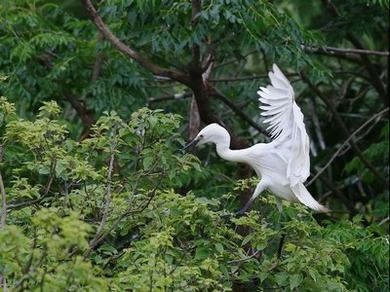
(331, 50)
(245, 259)
(345, 143)
(97, 66)
(235, 59)
(244, 78)
(27, 269)
(107, 198)
(4, 280)
(344, 129)
(177, 96)
(238, 111)
(3, 196)
(130, 211)
(19, 205)
(371, 69)
(3, 214)
(384, 221)
(362, 136)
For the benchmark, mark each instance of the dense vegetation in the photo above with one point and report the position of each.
(96, 105)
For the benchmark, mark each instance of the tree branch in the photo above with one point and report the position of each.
(244, 78)
(84, 114)
(194, 120)
(196, 66)
(97, 66)
(235, 59)
(107, 198)
(3, 219)
(245, 258)
(108, 35)
(348, 203)
(345, 143)
(344, 129)
(128, 212)
(237, 111)
(3, 198)
(169, 97)
(346, 51)
(374, 76)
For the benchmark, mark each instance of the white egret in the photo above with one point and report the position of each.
(283, 164)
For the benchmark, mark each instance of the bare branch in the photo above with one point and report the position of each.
(344, 128)
(245, 259)
(377, 115)
(128, 212)
(83, 113)
(97, 66)
(169, 97)
(155, 69)
(244, 78)
(346, 51)
(4, 282)
(3, 219)
(348, 203)
(107, 198)
(238, 112)
(372, 71)
(384, 221)
(3, 199)
(228, 62)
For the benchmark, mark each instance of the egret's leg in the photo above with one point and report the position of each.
(279, 205)
(280, 227)
(261, 186)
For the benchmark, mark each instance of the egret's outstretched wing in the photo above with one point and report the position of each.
(286, 125)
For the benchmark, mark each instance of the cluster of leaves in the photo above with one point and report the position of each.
(47, 54)
(110, 213)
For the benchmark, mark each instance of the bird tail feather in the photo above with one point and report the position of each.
(306, 198)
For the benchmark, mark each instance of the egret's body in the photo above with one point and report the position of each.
(283, 164)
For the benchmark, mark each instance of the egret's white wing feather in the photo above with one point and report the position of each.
(305, 198)
(286, 125)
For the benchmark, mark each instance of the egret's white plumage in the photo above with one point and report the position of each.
(283, 164)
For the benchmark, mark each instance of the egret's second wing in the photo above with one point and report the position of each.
(286, 125)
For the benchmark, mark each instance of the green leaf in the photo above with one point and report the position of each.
(201, 253)
(282, 278)
(147, 162)
(247, 238)
(295, 280)
(219, 247)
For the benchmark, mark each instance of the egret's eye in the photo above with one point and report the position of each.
(200, 137)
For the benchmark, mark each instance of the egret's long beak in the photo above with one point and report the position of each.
(191, 144)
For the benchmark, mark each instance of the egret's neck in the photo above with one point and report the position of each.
(225, 152)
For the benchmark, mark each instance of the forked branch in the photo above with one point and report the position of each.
(344, 129)
(346, 142)
(125, 49)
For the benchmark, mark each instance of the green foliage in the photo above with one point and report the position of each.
(47, 261)
(376, 152)
(155, 237)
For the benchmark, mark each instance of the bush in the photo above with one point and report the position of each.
(112, 213)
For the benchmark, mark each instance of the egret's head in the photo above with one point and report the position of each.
(213, 133)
